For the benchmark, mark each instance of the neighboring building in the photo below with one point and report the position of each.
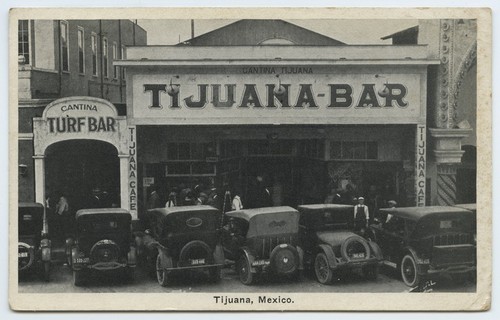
(64, 58)
(451, 106)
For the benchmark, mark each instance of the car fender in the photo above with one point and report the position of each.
(330, 255)
(165, 259)
(219, 254)
(375, 249)
(251, 258)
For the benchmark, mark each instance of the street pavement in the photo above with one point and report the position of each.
(196, 281)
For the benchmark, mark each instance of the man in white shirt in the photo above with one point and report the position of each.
(237, 204)
(361, 215)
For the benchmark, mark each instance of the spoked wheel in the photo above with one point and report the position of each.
(246, 276)
(371, 272)
(161, 273)
(214, 274)
(409, 271)
(322, 269)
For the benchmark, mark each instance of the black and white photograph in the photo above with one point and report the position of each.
(250, 161)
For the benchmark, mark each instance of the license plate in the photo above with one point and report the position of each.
(358, 255)
(195, 262)
(22, 254)
(260, 263)
(82, 260)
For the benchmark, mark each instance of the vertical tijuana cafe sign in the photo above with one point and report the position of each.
(420, 161)
(132, 171)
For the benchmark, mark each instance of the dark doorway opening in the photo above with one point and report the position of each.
(76, 167)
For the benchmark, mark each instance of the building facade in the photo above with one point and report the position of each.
(307, 114)
(59, 59)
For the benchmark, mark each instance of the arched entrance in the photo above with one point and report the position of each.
(76, 167)
(81, 143)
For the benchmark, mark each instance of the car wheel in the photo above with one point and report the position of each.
(409, 272)
(324, 273)
(161, 273)
(214, 274)
(46, 271)
(371, 272)
(78, 278)
(244, 272)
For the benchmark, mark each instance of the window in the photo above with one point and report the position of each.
(123, 57)
(115, 57)
(270, 147)
(354, 150)
(93, 44)
(105, 57)
(185, 158)
(64, 46)
(23, 40)
(81, 50)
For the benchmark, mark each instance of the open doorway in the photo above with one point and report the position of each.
(79, 167)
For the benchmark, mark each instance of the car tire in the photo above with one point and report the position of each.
(371, 272)
(161, 273)
(322, 269)
(244, 271)
(79, 278)
(214, 274)
(409, 272)
(46, 271)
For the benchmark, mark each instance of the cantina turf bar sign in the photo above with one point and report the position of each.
(338, 96)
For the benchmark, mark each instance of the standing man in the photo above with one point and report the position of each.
(391, 204)
(361, 216)
(154, 199)
(62, 213)
(237, 204)
(171, 202)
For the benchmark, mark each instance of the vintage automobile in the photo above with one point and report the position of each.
(34, 246)
(103, 242)
(330, 245)
(473, 208)
(186, 238)
(264, 239)
(427, 241)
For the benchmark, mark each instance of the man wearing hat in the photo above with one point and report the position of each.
(391, 204)
(361, 215)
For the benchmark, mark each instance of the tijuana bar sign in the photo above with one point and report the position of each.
(340, 96)
(325, 98)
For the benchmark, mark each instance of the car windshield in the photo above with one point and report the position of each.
(273, 224)
(30, 221)
(196, 221)
(103, 225)
(444, 224)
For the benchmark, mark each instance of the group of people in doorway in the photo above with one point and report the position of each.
(228, 198)
(61, 209)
